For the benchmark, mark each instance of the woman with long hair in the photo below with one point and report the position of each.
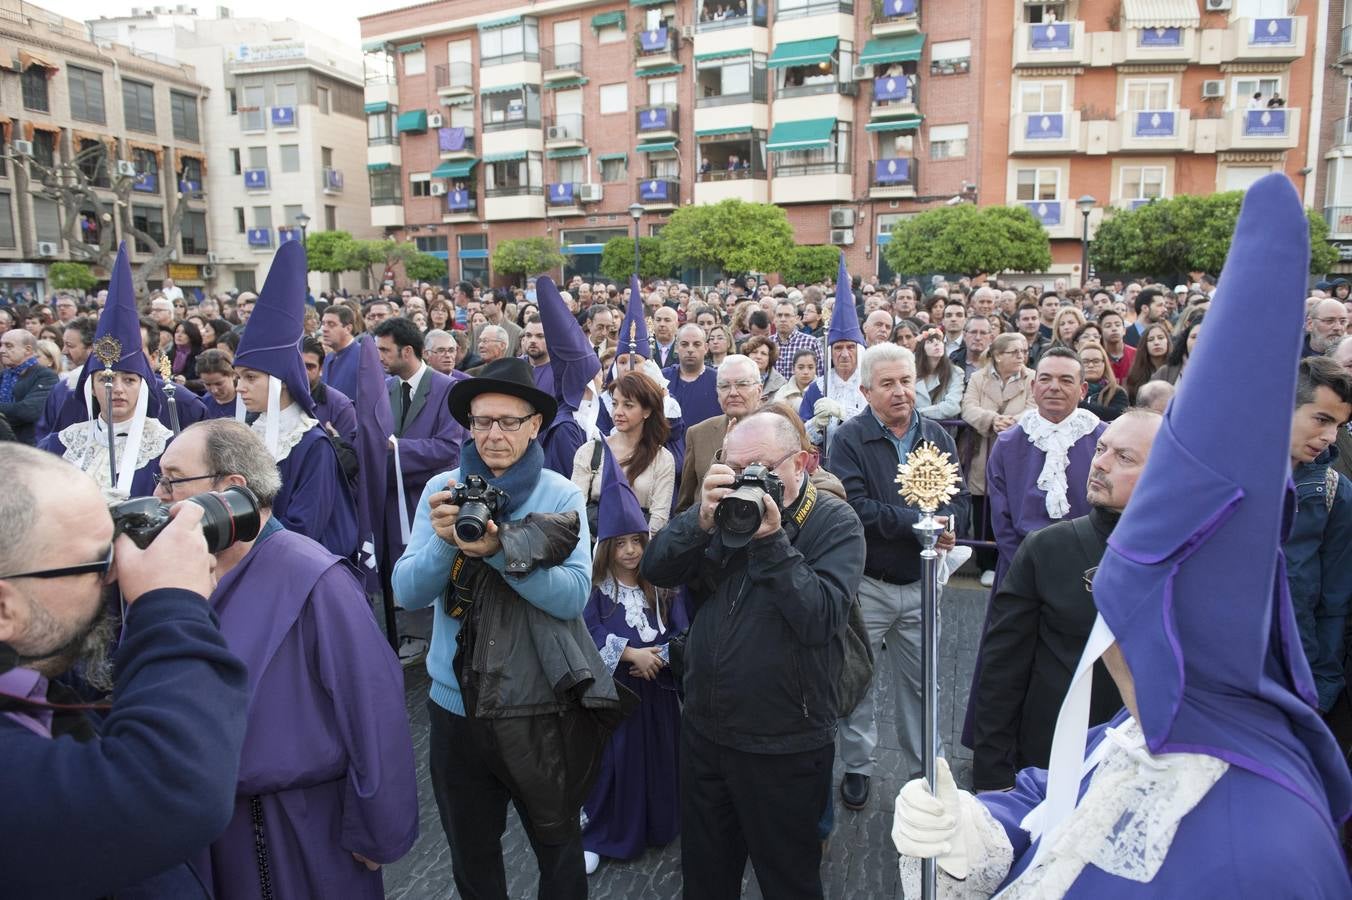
(187, 345)
(938, 383)
(1067, 321)
(804, 373)
(638, 441)
(1152, 353)
(1106, 398)
(905, 332)
(765, 353)
(719, 339)
(1172, 371)
(439, 315)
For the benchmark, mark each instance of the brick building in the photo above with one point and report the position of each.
(1333, 162)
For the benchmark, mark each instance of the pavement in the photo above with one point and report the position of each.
(860, 863)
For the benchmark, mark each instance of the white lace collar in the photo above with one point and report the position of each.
(292, 423)
(87, 448)
(1055, 439)
(845, 391)
(635, 604)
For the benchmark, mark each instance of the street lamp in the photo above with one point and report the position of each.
(636, 210)
(1086, 205)
(304, 222)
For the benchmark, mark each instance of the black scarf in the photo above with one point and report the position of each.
(518, 481)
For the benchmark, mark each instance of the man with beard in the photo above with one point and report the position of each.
(536, 351)
(97, 808)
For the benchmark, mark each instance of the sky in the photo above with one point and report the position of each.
(337, 18)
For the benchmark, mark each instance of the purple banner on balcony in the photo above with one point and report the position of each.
(654, 190)
(450, 140)
(892, 171)
(1046, 127)
(458, 200)
(894, 8)
(1154, 124)
(1264, 122)
(147, 183)
(891, 87)
(1138, 203)
(333, 179)
(286, 235)
(255, 179)
(656, 119)
(1050, 36)
(654, 40)
(1161, 37)
(1273, 31)
(561, 194)
(260, 237)
(1048, 212)
(283, 117)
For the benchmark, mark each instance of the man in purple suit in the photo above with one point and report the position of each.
(333, 408)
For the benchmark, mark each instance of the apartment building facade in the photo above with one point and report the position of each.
(488, 121)
(1332, 165)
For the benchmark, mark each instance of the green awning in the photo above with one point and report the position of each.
(513, 156)
(607, 19)
(378, 167)
(373, 108)
(802, 53)
(905, 123)
(567, 153)
(805, 134)
(660, 70)
(721, 54)
(647, 2)
(409, 48)
(455, 168)
(501, 89)
(415, 120)
(658, 147)
(714, 132)
(608, 157)
(566, 83)
(461, 100)
(906, 48)
(500, 23)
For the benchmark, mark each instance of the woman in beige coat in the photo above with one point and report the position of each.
(996, 396)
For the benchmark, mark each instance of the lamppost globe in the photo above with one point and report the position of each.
(636, 210)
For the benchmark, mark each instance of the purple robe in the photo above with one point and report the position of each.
(336, 410)
(634, 803)
(339, 369)
(219, 411)
(429, 443)
(698, 398)
(328, 751)
(560, 441)
(65, 407)
(315, 499)
(142, 483)
(543, 375)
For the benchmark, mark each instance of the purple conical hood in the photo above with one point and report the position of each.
(844, 319)
(633, 337)
(1193, 582)
(619, 512)
(121, 322)
(571, 358)
(271, 341)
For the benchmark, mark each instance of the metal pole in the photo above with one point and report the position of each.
(927, 531)
(636, 260)
(169, 388)
(108, 415)
(1084, 251)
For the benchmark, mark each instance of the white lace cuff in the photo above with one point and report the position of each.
(988, 848)
(610, 653)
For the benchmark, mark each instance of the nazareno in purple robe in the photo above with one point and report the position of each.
(142, 483)
(315, 499)
(339, 369)
(635, 802)
(328, 753)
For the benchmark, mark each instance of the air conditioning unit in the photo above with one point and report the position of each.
(555, 133)
(22, 148)
(842, 217)
(1218, 5)
(842, 236)
(213, 258)
(435, 120)
(47, 248)
(1213, 89)
(209, 271)
(437, 189)
(126, 167)
(861, 73)
(688, 32)
(590, 193)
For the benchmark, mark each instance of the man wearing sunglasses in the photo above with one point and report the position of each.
(96, 807)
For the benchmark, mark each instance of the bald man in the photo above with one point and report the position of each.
(878, 327)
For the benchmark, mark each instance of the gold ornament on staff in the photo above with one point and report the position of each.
(928, 478)
(108, 350)
(166, 368)
(167, 373)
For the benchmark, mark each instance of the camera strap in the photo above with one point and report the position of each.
(804, 509)
(459, 596)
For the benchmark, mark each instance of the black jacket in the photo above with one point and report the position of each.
(30, 397)
(763, 654)
(1039, 623)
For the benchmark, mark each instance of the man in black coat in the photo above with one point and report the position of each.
(24, 383)
(1042, 615)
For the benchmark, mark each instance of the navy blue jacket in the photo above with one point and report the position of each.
(865, 461)
(30, 396)
(120, 814)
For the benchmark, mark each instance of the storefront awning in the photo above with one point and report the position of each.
(803, 53)
(567, 153)
(657, 147)
(513, 156)
(655, 71)
(804, 134)
(455, 168)
(415, 120)
(905, 48)
(1160, 13)
(905, 123)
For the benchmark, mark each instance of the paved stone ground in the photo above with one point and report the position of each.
(861, 863)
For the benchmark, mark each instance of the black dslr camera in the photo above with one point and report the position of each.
(227, 516)
(738, 515)
(479, 502)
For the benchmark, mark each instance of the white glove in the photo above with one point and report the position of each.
(824, 410)
(925, 825)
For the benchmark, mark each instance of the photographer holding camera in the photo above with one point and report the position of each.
(778, 563)
(94, 808)
(521, 702)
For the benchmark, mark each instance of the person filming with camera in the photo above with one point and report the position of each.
(521, 703)
(117, 805)
(777, 565)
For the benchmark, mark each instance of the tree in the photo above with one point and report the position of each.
(617, 259)
(421, 266)
(330, 252)
(526, 256)
(71, 276)
(1166, 238)
(969, 240)
(810, 264)
(732, 235)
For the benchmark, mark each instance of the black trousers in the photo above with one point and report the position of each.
(472, 801)
(735, 804)
(982, 530)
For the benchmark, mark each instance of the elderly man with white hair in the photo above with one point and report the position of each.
(1325, 325)
(493, 341)
(739, 391)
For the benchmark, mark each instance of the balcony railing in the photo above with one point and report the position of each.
(259, 237)
(453, 76)
(898, 172)
(1346, 47)
(744, 13)
(654, 44)
(895, 91)
(453, 141)
(390, 199)
(659, 191)
(1339, 219)
(889, 11)
(561, 57)
(1265, 123)
(796, 9)
(461, 201)
(1050, 213)
(514, 190)
(564, 193)
(333, 180)
(794, 170)
(723, 173)
(1342, 132)
(564, 128)
(656, 119)
(513, 119)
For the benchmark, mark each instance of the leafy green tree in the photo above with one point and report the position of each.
(71, 276)
(526, 256)
(617, 259)
(421, 266)
(969, 240)
(810, 264)
(329, 251)
(372, 256)
(1184, 234)
(732, 235)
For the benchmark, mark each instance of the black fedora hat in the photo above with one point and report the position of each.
(509, 375)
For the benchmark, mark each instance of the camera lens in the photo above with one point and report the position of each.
(228, 516)
(472, 523)
(740, 512)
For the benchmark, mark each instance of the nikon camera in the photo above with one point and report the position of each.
(480, 503)
(738, 515)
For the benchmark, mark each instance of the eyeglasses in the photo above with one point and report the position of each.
(440, 350)
(1333, 320)
(506, 423)
(742, 384)
(1012, 353)
(720, 456)
(100, 568)
(161, 481)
